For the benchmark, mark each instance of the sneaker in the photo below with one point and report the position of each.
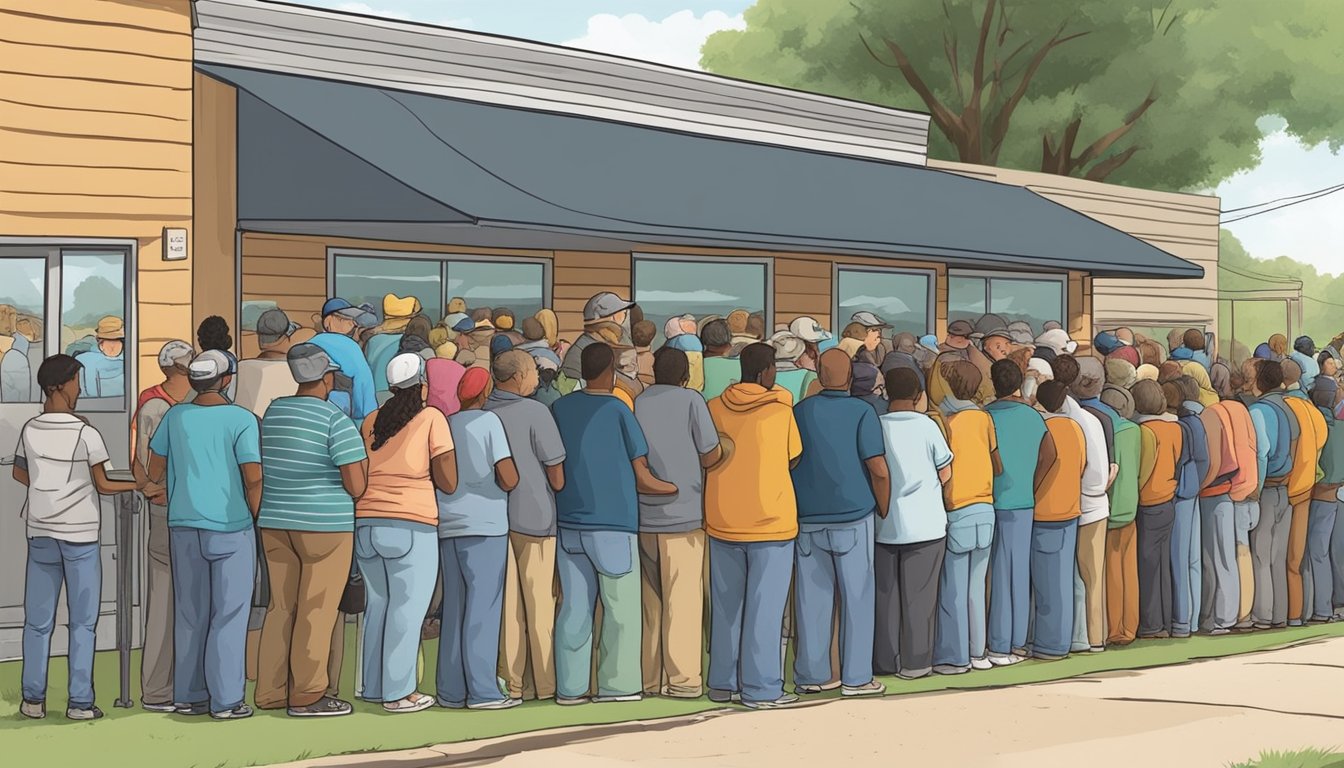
(618, 699)
(497, 704)
(1323, 620)
(1042, 656)
(1005, 660)
(192, 710)
(1096, 649)
(813, 690)
(1219, 631)
(323, 707)
(782, 701)
(33, 710)
(166, 708)
(1163, 635)
(1022, 652)
(981, 663)
(724, 697)
(950, 669)
(416, 702)
(571, 701)
(870, 688)
(914, 674)
(1295, 623)
(90, 712)
(240, 712)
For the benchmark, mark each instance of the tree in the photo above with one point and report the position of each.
(1163, 94)
(1323, 296)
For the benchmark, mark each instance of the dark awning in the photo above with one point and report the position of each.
(313, 150)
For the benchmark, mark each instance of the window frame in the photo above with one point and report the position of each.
(989, 276)
(55, 249)
(931, 302)
(335, 252)
(768, 263)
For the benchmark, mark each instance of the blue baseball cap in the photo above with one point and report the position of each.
(459, 322)
(339, 306)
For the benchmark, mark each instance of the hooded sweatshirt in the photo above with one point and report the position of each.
(749, 496)
(1196, 370)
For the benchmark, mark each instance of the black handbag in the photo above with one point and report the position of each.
(353, 599)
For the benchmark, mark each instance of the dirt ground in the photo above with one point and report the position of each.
(1209, 713)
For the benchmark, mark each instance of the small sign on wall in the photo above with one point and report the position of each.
(174, 244)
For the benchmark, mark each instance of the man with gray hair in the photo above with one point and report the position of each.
(529, 582)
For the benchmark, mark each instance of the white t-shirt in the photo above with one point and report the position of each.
(58, 450)
(261, 382)
(915, 450)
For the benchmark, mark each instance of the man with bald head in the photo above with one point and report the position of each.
(841, 481)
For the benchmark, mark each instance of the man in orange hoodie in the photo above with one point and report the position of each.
(751, 517)
(1301, 481)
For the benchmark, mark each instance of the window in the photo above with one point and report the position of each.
(93, 324)
(1033, 300)
(22, 327)
(900, 298)
(666, 288)
(365, 278)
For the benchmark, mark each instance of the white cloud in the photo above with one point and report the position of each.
(702, 296)
(676, 40)
(883, 305)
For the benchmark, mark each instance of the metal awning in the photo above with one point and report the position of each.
(338, 157)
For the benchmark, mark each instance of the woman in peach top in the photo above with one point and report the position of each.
(396, 532)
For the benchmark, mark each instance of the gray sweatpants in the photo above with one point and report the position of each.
(1318, 571)
(1221, 592)
(156, 662)
(1269, 557)
(907, 606)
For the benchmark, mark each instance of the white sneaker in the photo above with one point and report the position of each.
(498, 704)
(571, 701)
(981, 663)
(618, 699)
(782, 701)
(950, 669)
(1005, 660)
(870, 688)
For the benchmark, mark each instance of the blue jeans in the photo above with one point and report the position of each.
(961, 587)
(1010, 580)
(1220, 593)
(598, 565)
(1186, 560)
(835, 556)
(1318, 577)
(749, 586)
(399, 563)
(1054, 554)
(472, 568)
(213, 576)
(52, 562)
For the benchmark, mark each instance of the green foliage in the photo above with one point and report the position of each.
(1211, 68)
(1322, 313)
(1306, 758)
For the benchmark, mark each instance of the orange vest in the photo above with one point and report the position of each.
(1247, 479)
(1161, 485)
(1060, 496)
(1310, 443)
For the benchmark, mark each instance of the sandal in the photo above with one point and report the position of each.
(416, 702)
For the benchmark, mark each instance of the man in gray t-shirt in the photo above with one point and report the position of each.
(683, 443)
(538, 453)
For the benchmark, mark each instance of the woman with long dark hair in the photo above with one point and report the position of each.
(396, 532)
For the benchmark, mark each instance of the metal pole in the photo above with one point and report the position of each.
(126, 505)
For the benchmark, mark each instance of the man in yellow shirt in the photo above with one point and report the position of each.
(1301, 481)
(751, 517)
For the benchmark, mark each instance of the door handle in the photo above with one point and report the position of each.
(7, 461)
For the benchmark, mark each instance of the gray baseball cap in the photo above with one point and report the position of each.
(309, 363)
(604, 304)
(212, 364)
(869, 320)
(176, 352)
(274, 325)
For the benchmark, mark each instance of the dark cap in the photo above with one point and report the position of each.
(274, 325)
(1305, 345)
(309, 363)
(960, 328)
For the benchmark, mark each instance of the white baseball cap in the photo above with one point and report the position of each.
(405, 370)
(808, 329)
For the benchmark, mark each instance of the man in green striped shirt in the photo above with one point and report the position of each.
(313, 466)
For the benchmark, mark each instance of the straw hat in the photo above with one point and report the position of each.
(110, 329)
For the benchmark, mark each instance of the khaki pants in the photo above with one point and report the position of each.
(672, 567)
(1091, 562)
(1297, 551)
(528, 635)
(308, 573)
(1246, 578)
(1122, 585)
(156, 662)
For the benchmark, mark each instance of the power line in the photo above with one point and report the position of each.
(1281, 199)
(1322, 301)
(1258, 276)
(1315, 196)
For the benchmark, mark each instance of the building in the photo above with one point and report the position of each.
(166, 160)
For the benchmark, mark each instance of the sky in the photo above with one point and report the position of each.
(672, 31)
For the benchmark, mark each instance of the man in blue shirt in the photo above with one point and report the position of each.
(597, 513)
(841, 479)
(1275, 434)
(210, 453)
(354, 393)
(104, 372)
(1304, 354)
(1186, 546)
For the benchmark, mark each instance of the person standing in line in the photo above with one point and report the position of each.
(355, 393)
(799, 381)
(960, 643)
(1277, 432)
(528, 638)
(1301, 481)
(840, 482)
(1028, 451)
(597, 514)
(911, 536)
(62, 462)
(683, 443)
(1122, 550)
(1054, 530)
(1185, 540)
(605, 307)
(104, 367)
(267, 377)
(1163, 454)
(751, 517)
(1220, 588)
(1318, 573)
(411, 456)
(209, 451)
(473, 552)
(313, 466)
(1244, 493)
(385, 341)
(721, 369)
(156, 656)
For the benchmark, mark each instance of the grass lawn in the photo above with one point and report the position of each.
(1307, 758)
(169, 741)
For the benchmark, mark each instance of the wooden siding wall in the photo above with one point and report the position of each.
(215, 276)
(580, 274)
(95, 139)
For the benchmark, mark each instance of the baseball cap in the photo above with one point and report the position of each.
(212, 364)
(869, 320)
(1305, 345)
(499, 344)
(175, 353)
(604, 304)
(960, 328)
(459, 322)
(309, 363)
(274, 325)
(338, 306)
(405, 370)
(808, 329)
(991, 325)
(472, 383)
(787, 346)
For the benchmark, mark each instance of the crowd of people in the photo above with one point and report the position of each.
(578, 521)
